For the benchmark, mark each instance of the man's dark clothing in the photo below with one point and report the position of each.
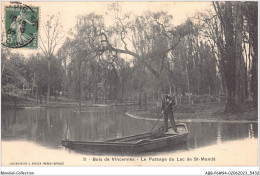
(167, 100)
(167, 105)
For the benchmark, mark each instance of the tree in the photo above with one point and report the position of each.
(14, 83)
(49, 42)
(250, 10)
(64, 56)
(227, 31)
(37, 67)
(5, 54)
(84, 68)
(151, 37)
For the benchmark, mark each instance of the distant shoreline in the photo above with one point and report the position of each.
(202, 113)
(59, 105)
(192, 120)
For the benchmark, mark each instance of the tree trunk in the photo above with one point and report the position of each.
(229, 58)
(79, 105)
(15, 102)
(249, 67)
(145, 101)
(252, 17)
(254, 77)
(233, 55)
(37, 95)
(245, 73)
(139, 100)
(255, 67)
(239, 83)
(65, 89)
(123, 86)
(188, 80)
(49, 82)
(40, 96)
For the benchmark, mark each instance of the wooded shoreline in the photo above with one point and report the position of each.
(137, 57)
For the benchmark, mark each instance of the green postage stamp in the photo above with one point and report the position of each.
(21, 26)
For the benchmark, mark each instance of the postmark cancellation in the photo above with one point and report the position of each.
(21, 26)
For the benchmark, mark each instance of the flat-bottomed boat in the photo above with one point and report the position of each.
(134, 143)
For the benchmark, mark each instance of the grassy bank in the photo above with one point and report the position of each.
(213, 111)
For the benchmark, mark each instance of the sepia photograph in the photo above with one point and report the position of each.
(129, 83)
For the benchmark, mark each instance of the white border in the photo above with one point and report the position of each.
(126, 170)
(140, 170)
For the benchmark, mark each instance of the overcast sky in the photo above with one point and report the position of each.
(70, 10)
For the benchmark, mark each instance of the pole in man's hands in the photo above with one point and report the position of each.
(160, 116)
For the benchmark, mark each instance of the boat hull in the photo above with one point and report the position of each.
(132, 144)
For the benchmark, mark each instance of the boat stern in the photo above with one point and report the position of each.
(66, 143)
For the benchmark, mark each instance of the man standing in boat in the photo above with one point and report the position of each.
(168, 104)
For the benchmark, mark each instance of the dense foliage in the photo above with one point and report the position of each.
(137, 57)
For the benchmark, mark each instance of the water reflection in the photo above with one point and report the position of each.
(251, 134)
(218, 133)
(48, 127)
(207, 133)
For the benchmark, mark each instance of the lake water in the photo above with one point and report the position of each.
(47, 127)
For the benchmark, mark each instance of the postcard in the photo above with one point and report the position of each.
(139, 83)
